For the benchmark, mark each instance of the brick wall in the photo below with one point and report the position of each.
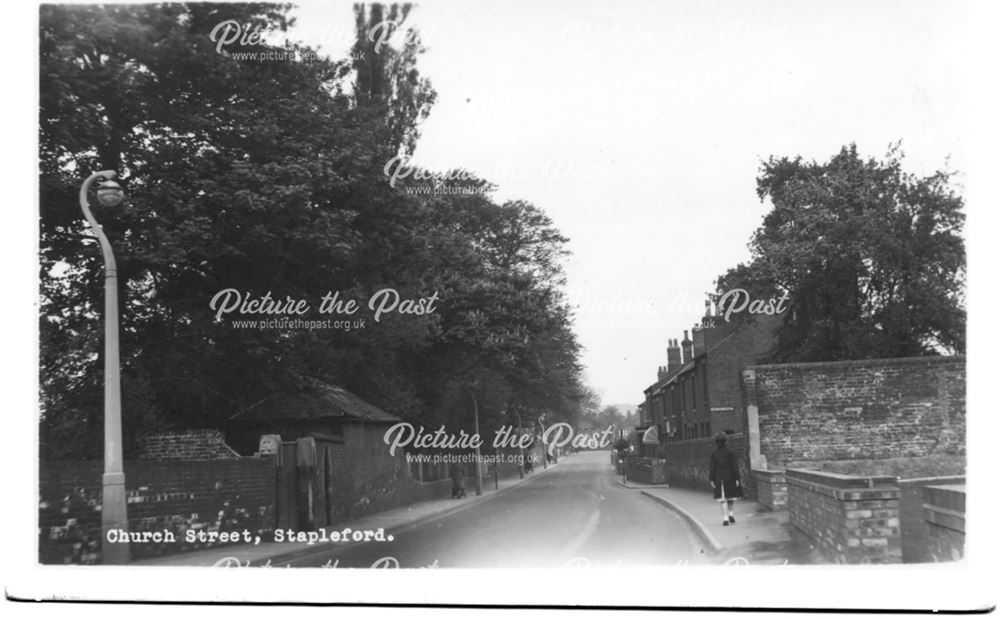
(851, 519)
(944, 511)
(867, 409)
(368, 480)
(174, 496)
(772, 489)
(687, 462)
(195, 445)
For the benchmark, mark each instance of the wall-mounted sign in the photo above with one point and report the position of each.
(722, 409)
(269, 444)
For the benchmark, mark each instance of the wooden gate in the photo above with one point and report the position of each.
(287, 477)
(306, 474)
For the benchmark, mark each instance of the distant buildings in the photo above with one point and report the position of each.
(697, 394)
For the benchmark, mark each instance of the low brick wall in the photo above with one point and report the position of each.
(772, 489)
(913, 528)
(173, 496)
(192, 445)
(852, 519)
(944, 511)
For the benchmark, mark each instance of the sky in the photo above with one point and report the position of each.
(639, 128)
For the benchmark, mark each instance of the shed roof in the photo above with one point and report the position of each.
(318, 402)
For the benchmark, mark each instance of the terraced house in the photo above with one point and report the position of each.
(697, 394)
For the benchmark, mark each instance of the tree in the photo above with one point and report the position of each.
(269, 176)
(133, 89)
(387, 81)
(871, 256)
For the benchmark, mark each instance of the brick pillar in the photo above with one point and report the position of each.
(772, 489)
(757, 460)
(852, 519)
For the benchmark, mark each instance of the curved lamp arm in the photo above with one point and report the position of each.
(110, 267)
(114, 511)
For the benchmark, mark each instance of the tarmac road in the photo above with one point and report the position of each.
(576, 514)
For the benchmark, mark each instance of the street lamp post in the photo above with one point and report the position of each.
(520, 436)
(479, 471)
(114, 514)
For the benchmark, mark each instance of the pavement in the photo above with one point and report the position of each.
(758, 536)
(575, 513)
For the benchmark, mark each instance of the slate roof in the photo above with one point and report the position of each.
(318, 402)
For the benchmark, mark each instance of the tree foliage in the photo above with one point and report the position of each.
(872, 258)
(268, 176)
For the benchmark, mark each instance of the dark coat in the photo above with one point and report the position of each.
(724, 472)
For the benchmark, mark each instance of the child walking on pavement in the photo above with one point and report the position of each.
(724, 474)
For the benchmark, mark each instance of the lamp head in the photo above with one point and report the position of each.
(110, 193)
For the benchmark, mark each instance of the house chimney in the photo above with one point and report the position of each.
(661, 373)
(686, 347)
(698, 334)
(711, 312)
(673, 356)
